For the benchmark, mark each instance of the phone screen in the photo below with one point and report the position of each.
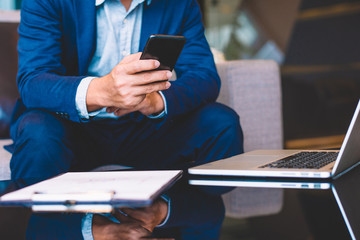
(164, 48)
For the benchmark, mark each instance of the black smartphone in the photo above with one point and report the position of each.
(164, 48)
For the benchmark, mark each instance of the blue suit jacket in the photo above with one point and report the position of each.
(57, 41)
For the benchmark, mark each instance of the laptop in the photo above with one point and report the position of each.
(292, 163)
(244, 182)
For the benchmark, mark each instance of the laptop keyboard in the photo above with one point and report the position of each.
(304, 160)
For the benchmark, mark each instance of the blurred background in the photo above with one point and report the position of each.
(10, 4)
(315, 42)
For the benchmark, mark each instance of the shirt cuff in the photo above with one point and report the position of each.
(167, 200)
(86, 223)
(163, 113)
(86, 226)
(80, 99)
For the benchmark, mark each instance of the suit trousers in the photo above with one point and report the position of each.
(47, 145)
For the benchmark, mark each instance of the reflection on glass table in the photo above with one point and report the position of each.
(330, 207)
(189, 215)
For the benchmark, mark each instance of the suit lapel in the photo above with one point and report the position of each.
(85, 11)
(152, 19)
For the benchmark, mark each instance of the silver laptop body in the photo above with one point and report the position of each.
(252, 164)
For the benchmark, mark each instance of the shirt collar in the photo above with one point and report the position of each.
(99, 2)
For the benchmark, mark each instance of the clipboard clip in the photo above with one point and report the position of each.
(73, 198)
(96, 202)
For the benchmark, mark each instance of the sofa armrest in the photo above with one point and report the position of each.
(253, 89)
(5, 157)
(9, 22)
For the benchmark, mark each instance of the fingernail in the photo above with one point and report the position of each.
(168, 84)
(169, 74)
(157, 64)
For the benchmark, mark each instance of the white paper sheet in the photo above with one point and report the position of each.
(97, 186)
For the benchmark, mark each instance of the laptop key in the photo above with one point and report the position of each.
(304, 160)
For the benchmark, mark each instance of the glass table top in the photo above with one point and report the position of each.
(261, 208)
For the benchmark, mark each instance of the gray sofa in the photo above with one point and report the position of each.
(9, 21)
(251, 87)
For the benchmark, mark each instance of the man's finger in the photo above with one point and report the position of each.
(131, 58)
(111, 109)
(121, 112)
(122, 217)
(158, 238)
(144, 78)
(134, 213)
(140, 66)
(151, 88)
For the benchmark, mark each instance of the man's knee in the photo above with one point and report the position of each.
(219, 134)
(38, 126)
(39, 146)
(218, 118)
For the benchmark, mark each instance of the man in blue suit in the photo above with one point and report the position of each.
(87, 101)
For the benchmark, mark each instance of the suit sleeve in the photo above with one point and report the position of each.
(198, 82)
(42, 78)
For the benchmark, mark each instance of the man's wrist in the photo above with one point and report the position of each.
(162, 105)
(159, 104)
(95, 97)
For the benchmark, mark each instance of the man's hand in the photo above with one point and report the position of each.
(149, 217)
(104, 229)
(128, 85)
(152, 104)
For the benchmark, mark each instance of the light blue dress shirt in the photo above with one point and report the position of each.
(118, 35)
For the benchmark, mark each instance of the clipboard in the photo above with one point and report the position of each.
(93, 191)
